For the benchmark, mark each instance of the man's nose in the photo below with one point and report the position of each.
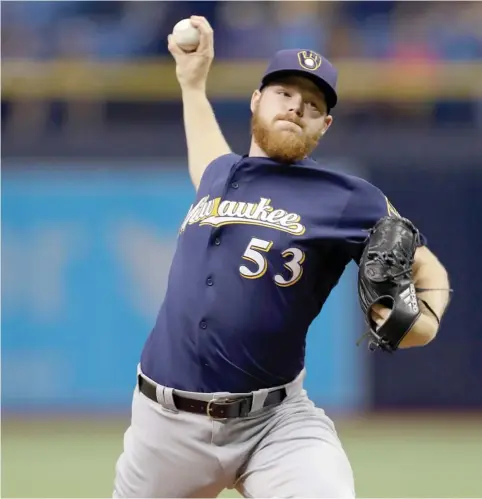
(296, 105)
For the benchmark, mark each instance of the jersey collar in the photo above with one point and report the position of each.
(308, 161)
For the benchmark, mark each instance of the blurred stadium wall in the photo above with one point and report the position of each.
(95, 185)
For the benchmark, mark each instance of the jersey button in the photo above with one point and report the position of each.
(203, 325)
(217, 241)
(209, 281)
(234, 185)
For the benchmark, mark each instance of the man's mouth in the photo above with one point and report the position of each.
(294, 124)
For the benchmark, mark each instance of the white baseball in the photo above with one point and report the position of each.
(186, 35)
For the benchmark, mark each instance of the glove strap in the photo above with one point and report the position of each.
(429, 308)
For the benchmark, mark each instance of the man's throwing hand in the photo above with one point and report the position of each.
(192, 68)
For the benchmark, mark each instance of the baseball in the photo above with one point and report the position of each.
(186, 35)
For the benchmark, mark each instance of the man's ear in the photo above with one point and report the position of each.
(255, 100)
(328, 122)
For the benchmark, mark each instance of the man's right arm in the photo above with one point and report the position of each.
(205, 141)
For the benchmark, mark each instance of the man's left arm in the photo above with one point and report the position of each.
(430, 278)
(433, 291)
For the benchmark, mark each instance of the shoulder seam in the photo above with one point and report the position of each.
(215, 161)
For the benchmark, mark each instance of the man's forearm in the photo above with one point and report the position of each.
(431, 279)
(205, 140)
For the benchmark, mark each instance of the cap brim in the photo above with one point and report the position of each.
(330, 95)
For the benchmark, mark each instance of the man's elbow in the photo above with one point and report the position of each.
(412, 340)
(428, 266)
(439, 269)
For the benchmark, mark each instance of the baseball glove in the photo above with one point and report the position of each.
(385, 278)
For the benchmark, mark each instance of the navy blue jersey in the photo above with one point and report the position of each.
(257, 256)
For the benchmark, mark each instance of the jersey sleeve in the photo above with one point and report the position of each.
(212, 171)
(366, 205)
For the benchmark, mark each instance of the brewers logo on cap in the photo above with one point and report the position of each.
(309, 60)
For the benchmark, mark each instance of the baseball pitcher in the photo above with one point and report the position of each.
(219, 399)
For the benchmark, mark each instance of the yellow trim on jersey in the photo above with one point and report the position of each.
(391, 209)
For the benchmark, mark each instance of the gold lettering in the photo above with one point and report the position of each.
(216, 212)
(251, 208)
(290, 222)
(244, 210)
(197, 210)
(262, 210)
(186, 220)
(276, 216)
(226, 209)
(208, 209)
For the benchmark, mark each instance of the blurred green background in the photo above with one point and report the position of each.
(399, 456)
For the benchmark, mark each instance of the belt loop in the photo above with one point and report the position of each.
(160, 395)
(259, 397)
(167, 398)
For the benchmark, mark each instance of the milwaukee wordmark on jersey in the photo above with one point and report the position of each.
(216, 213)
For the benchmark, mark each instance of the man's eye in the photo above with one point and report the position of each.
(284, 93)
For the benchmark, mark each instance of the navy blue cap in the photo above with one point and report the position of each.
(307, 63)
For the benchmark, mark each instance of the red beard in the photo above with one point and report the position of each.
(281, 145)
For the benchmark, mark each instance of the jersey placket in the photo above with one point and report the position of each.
(215, 241)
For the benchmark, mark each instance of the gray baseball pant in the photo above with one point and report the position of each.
(291, 450)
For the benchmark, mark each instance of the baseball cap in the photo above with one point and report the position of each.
(307, 63)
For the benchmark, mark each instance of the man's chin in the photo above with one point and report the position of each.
(284, 142)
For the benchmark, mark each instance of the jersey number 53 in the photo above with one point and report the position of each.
(294, 259)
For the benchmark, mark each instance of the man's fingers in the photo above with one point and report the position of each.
(382, 311)
(202, 20)
(379, 314)
(377, 320)
(206, 32)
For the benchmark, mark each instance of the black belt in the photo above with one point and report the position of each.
(222, 408)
